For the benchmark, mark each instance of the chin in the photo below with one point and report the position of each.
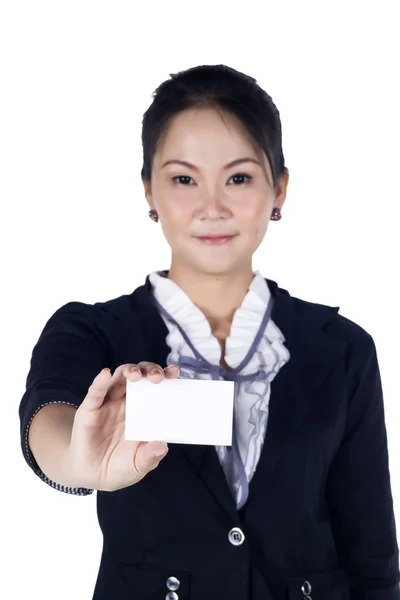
(214, 267)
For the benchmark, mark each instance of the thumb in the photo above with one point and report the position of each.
(149, 455)
(97, 390)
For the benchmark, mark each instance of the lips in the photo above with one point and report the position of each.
(216, 240)
(216, 237)
(213, 236)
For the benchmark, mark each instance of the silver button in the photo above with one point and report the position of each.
(173, 583)
(236, 536)
(172, 596)
(306, 588)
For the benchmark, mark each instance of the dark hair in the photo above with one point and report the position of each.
(221, 87)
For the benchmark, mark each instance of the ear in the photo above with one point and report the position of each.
(147, 193)
(281, 189)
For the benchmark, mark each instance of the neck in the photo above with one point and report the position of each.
(217, 296)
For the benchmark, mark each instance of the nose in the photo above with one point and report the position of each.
(213, 205)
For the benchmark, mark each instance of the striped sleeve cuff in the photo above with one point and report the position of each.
(35, 467)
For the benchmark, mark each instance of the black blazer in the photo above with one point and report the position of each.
(319, 520)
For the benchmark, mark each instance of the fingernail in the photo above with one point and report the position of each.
(134, 370)
(155, 372)
(162, 453)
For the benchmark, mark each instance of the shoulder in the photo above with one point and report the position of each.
(359, 343)
(104, 314)
(110, 328)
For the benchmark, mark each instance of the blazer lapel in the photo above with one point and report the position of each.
(314, 356)
(206, 462)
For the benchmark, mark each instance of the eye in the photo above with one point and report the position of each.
(241, 175)
(183, 179)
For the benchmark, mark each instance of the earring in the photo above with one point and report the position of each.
(276, 214)
(153, 214)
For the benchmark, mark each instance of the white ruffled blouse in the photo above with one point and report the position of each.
(251, 397)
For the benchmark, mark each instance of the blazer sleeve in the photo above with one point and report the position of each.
(69, 353)
(359, 492)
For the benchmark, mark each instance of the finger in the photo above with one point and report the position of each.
(132, 372)
(97, 390)
(172, 372)
(149, 455)
(152, 371)
(117, 385)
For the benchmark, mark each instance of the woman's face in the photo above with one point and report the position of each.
(209, 196)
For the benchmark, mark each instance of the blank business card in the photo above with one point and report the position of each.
(182, 411)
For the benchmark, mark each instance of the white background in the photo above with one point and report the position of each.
(76, 78)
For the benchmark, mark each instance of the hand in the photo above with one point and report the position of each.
(98, 456)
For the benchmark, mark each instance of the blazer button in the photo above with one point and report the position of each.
(306, 589)
(173, 584)
(172, 596)
(236, 536)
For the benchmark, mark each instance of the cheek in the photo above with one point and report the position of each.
(261, 230)
(175, 211)
(253, 217)
(253, 225)
(176, 221)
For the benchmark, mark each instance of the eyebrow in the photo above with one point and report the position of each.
(233, 163)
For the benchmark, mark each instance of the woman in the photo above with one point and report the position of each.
(300, 505)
